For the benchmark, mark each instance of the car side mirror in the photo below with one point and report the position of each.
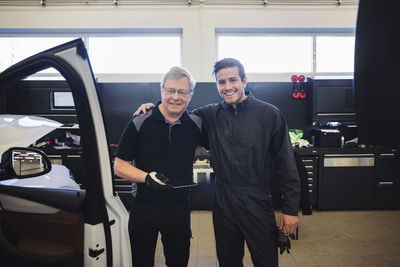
(22, 162)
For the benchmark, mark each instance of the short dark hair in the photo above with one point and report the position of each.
(228, 63)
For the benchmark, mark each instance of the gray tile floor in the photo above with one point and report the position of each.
(326, 238)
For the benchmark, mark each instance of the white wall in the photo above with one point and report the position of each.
(198, 23)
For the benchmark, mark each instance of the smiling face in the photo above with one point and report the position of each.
(230, 86)
(175, 97)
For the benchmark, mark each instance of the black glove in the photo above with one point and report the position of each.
(157, 181)
(284, 241)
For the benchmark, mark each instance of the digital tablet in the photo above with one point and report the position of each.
(176, 186)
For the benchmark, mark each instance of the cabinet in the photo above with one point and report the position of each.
(72, 159)
(75, 163)
(347, 181)
(386, 180)
(310, 158)
(124, 190)
(121, 187)
(311, 164)
(359, 178)
(67, 154)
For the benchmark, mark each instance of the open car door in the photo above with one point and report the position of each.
(73, 227)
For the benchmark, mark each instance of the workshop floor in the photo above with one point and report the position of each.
(326, 238)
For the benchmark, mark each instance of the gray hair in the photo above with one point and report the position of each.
(177, 73)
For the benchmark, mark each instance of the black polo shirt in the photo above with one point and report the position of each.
(154, 144)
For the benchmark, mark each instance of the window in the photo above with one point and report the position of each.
(15, 49)
(269, 54)
(127, 52)
(335, 54)
(154, 54)
(289, 51)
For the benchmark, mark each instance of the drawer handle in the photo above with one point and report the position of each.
(349, 155)
(349, 162)
(385, 183)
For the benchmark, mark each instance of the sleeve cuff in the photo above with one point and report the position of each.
(290, 212)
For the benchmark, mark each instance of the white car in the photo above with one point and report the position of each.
(45, 218)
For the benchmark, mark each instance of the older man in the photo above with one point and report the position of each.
(162, 145)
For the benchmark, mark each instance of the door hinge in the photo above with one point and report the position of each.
(95, 252)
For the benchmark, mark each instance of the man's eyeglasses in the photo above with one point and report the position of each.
(181, 92)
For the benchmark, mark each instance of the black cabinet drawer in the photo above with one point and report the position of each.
(384, 195)
(347, 181)
(386, 179)
(75, 164)
(311, 165)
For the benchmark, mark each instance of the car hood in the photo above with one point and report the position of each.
(23, 130)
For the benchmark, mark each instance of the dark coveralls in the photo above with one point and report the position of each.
(157, 145)
(245, 144)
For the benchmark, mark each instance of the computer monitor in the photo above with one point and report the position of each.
(332, 99)
(61, 100)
